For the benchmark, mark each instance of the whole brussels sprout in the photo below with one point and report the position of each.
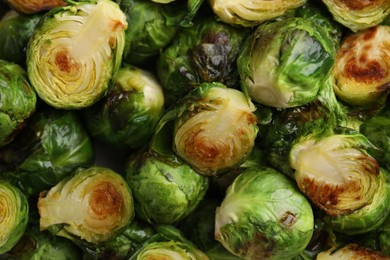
(252, 13)
(94, 204)
(359, 14)
(17, 100)
(15, 31)
(149, 32)
(335, 171)
(51, 146)
(165, 191)
(34, 6)
(75, 52)
(168, 243)
(14, 212)
(213, 129)
(361, 71)
(129, 113)
(264, 216)
(205, 52)
(36, 244)
(283, 63)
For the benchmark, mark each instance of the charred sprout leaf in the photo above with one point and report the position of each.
(165, 191)
(99, 206)
(359, 14)
(14, 212)
(36, 244)
(50, 147)
(334, 170)
(213, 129)
(17, 100)
(128, 115)
(350, 251)
(361, 72)
(15, 31)
(67, 64)
(149, 32)
(252, 13)
(264, 216)
(34, 6)
(168, 243)
(206, 52)
(283, 63)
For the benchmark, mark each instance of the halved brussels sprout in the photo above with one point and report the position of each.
(129, 113)
(214, 129)
(361, 72)
(15, 31)
(94, 204)
(17, 100)
(358, 14)
(14, 212)
(51, 146)
(252, 13)
(149, 32)
(350, 251)
(165, 191)
(75, 52)
(334, 170)
(264, 216)
(36, 244)
(283, 63)
(34, 6)
(168, 243)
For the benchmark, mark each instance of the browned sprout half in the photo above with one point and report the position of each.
(358, 14)
(34, 6)
(94, 204)
(361, 72)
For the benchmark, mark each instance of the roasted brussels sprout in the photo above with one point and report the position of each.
(359, 14)
(129, 113)
(15, 31)
(252, 13)
(214, 129)
(34, 6)
(51, 146)
(122, 246)
(149, 32)
(168, 243)
(36, 244)
(361, 72)
(17, 100)
(350, 251)
(75, 52)
(165, 191)
(334, 170)
(14, 210)
(264, 216)
(206, 52)
(99, 206)
(283, 63)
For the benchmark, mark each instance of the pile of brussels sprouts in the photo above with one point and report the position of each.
(198, 129)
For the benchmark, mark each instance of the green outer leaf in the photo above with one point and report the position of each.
(15, 213)
(297, 56)
(17, 100)
(164, 191)
(264, 215)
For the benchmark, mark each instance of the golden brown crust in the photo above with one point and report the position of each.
(361, 4)
(34, 6)
(105, 201)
